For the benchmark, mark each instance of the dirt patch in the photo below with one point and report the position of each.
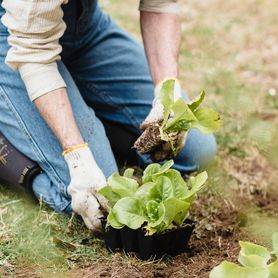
(269, 203)
(253, 173)
(219, 229)
(19, 272)
(215, 240)
(205, 253)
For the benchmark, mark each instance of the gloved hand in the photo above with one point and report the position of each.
(150, 141)
(86, 180)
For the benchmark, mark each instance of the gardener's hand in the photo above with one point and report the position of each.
(86, 180)
(150, 141)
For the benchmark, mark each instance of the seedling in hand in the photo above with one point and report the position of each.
(164, 138)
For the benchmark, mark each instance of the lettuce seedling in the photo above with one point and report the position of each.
(163, 138)
(254, 260)
(162, 201)
(181, 116)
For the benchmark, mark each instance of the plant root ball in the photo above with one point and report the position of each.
(149, 140)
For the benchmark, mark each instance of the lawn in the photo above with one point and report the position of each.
(230, 50)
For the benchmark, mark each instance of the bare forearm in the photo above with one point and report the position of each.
(162, 36)
(56, 109)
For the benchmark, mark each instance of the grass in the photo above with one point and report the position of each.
(230, 49)
(33, 236)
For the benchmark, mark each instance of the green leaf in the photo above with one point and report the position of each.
(193, 105)
(150, 171)
(155, 212)
(181, 125)
(112, 220)
(178, 183)
(181, 216)
(143, 191)
(174, 206)
(162, 189)
(167, 97)
(198, 181)
(273, 269)
(129, 212)
(129, 173)
(111, 196)
(253, 255)
(208, 120)
(231, 270)
(195, 184)
(123, 186)
(181, 112)
(179, 116)
(164, 168)
(275, 243)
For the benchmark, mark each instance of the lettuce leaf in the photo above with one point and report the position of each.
(150, 171)
(155, 213)
(254, 262)
(253, 255)
(161, 202)
(180, 116)
(167, 97)
(128, 173)
(195, 185)
(119, 187)
(129, 212)
(162, 190)
(231, 270)
(123, 186)
(179, 185)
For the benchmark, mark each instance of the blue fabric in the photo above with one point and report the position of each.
(107, 78)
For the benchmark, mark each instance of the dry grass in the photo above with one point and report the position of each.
(230, 49)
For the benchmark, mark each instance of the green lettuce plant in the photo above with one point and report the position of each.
(254, 262)
(160, 202)
(181, 116)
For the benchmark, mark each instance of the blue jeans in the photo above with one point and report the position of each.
(107, 79)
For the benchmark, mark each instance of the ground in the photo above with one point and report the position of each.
(230, 50)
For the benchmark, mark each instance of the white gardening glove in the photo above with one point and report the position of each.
(150, 141)
(86, 180)
(156, 113)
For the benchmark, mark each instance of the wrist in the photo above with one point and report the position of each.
(74, 147)
(69, 144)
(163, 76)
(72, 140)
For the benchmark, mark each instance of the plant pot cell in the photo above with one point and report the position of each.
(129, 240)
(112, 237)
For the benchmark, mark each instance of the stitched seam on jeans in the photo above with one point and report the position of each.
(22, 126)
(114, 104)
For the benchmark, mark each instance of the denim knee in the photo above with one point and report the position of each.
(50, 193)
(199, 150)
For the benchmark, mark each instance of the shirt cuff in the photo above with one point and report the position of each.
(159, 7)
(41, 79)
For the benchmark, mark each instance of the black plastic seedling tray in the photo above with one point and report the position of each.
(173, 242)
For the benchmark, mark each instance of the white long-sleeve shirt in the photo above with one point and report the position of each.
(35, 28)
